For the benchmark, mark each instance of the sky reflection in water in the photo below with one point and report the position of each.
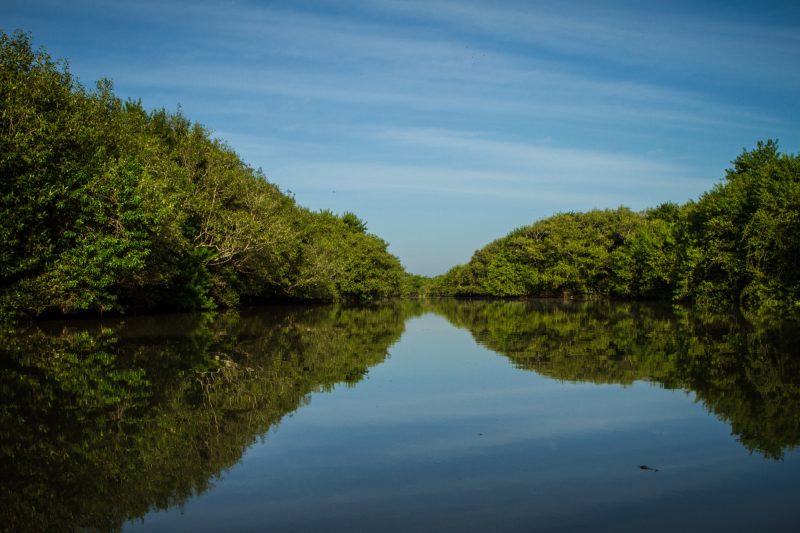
(447, 435)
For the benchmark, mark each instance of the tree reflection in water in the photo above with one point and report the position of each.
(103, 422)
(747, 375)
(106, 421)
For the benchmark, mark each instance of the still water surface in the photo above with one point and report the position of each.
(444, 416)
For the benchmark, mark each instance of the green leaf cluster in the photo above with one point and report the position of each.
(742, 238)
(616, 253)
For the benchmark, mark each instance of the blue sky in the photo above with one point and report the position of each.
(446, 124)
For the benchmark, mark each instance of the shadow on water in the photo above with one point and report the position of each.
(104, 421)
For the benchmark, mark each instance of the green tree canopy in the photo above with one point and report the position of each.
(109, 207)
(737, 244)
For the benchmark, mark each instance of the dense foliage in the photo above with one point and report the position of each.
(738, 244)
(107, 207)
(742, 238)
(613, 252)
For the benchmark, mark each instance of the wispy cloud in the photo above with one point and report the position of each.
(539, 95)
(316, 57)
(568, 186)
(539, 160)
(651, 36)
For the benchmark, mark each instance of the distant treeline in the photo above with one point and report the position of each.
(108, 207)
(739, 244)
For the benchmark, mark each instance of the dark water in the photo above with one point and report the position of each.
(443, 416)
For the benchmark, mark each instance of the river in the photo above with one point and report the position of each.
(412, 416)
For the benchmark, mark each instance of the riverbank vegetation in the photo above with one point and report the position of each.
(736, 245)
(108, 207)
